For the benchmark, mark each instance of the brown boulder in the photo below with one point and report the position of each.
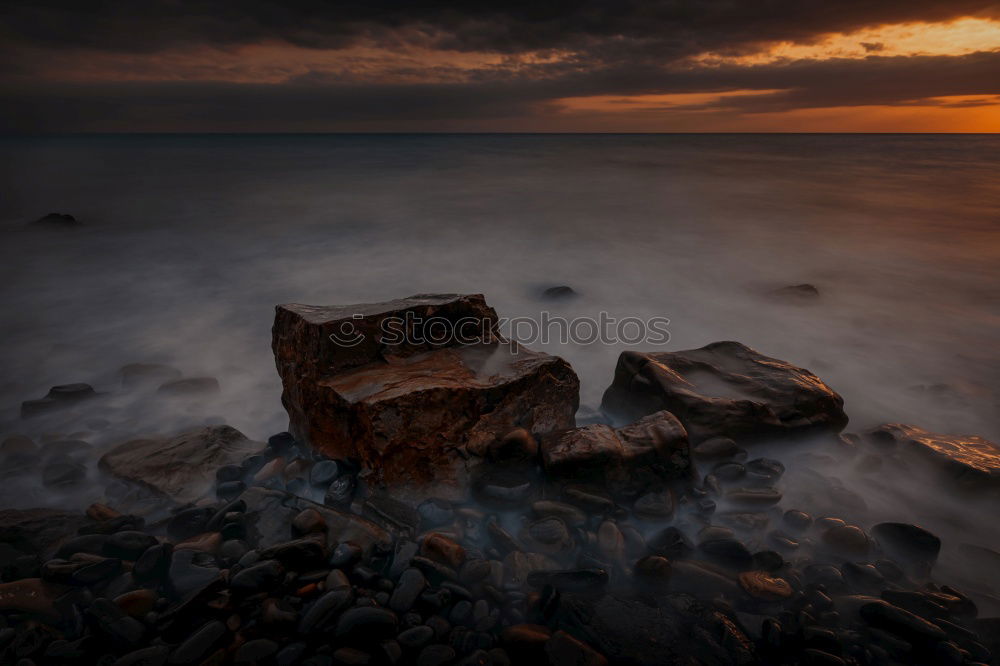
(724, 389)
(181, 467)
(411, 407)
(627, 460)
(972, 461)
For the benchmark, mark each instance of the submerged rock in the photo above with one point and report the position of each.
(58, 397)
(410, 388)
(724, 389)
(54, 220)
(796, 293)
(973, 462)
(183, 467)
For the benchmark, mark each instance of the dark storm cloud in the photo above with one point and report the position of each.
(664, 26)
(605, 47)
(316, 106)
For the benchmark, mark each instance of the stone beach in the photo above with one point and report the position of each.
(434, 503)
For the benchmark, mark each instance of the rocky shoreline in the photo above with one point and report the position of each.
(436, 503)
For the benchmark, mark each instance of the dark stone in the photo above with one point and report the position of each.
(191, 572)
(341, 491)
(627, 460)
(255, 651)
(435, 655)
(128, 545)
(570, 580)
(281, 442)
(908, 544)
(58, 397)
(361, 626)
(435, 512)
(63, 474)
(796, 293)
(670, 542)
(902, 623)
(56, 220)
(558, 293)
(411, 584)
(326, 610)
(727, 552)
(724, 389)
(415, 637)
(228, 473)
(324, 472)
(260, 577)
(152, 565)
(200, 644)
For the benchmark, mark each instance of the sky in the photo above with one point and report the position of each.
(488, 66)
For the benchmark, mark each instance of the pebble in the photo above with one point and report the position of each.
(655, 506)
(199, 644)
(849, 540)
(800, 521)
(411, 584)
(764, 586)
(435, 512)
(366, 625)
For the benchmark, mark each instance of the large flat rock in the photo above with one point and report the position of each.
(418, 409)
(969, 460)
(724, 389)
(182, 467)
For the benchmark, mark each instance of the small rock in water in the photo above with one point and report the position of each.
(798, 293)
(560, 292)
(63, 474)
(58, 397)
(56, 220)
(797, 520)
(908, 544)
(716, 448)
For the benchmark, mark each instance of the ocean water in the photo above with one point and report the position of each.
(189, 241)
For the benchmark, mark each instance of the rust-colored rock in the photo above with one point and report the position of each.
(973, 462)
(724, 389)
(627, 460)
(411, 407)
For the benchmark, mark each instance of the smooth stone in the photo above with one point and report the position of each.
(727, 552)
(570, 580)
(128, 545)
(255, 651)
(655, 505)
(754, 496)
(670, 542)
(848, 540)
(435, 512)
(800, 521)
(715, 448)
(908, 544)
(762, 585)
(262, 576)
(198, 646)
(365, 625)
(415, 637)
(322, 614)
(411, 584)
(341, 491)
(568, 513)
(324, 472)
